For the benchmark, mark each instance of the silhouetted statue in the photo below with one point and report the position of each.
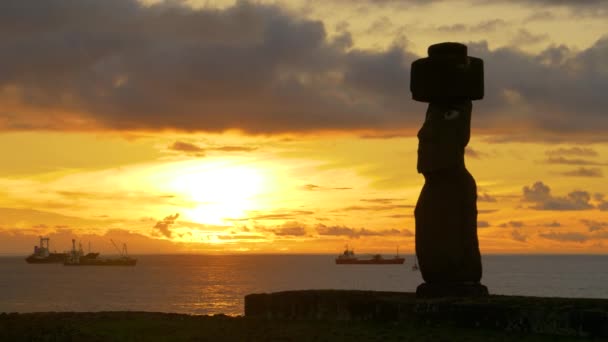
(446, 212)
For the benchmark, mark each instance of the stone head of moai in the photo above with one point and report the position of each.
(446, 211)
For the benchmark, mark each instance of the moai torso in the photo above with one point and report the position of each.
(446, 212)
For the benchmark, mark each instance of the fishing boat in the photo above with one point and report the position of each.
(348, 257)
(76, 257)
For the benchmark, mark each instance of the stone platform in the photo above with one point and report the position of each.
(551, 316)
(426, 290)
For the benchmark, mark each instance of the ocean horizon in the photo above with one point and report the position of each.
(217, 284)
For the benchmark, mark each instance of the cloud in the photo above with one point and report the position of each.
(313, 187)
(473, 153)
(544, 97)
(278, 215)
(540, 195)
(164, 226)
(601, 203)
(569, 161)
(565, 236)
(594, 226)
(354, 233)
(193, 149)
(483, 224)
(251, 67)
(485, 197)
(553, 224)
(540, 16)
(513, 224)
(379, 207)
(518, 236)
(289, 229)
(576, 7)
(584, 172)
(572, 151)
(241, 237)
(484, 26)
(257, 68)
(181, 146)
(525, 37)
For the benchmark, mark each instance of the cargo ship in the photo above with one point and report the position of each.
(348, 258)
(76, 257)
(42, 254)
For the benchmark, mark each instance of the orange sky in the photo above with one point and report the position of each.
(287, 127)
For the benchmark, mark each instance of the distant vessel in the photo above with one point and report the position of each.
(76, 257)
(42, 254)
(348, 258)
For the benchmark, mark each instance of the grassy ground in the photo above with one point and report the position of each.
(142, 326)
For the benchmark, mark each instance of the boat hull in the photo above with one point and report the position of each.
(393, 261)
(103, 262)
(53, 258)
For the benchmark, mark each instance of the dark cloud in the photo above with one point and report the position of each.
(572, 151)
(240, 237)
(313, 187)
(381, 200)
(565, 236)
(576, 7)
(593, 225)
(473, 153)
(452, 28)
(355, 233)
(584, 172)
(512, 224)
(193, 149)
(380, 207)
(279, 215)
(553, 224)
(250, 66)
(290, 231)
(540, 16)
(543, 96)
(485, 197)
(483, 224)
(525, 37)
(380, 26)
(540, 195)
(570, 161)
(518, 236)
(602, 204)
(486, 211)
(232, 149)
(484, 26)
(122, 65)
(164, 226)
(181, 146)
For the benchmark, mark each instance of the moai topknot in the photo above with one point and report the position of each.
(446, 212)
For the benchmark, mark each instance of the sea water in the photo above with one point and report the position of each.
(204, 284)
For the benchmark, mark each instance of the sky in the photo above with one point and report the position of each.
(230, 127)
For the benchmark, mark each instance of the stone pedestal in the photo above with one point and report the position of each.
(437, 290)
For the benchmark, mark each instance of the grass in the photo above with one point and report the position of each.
(145, 326)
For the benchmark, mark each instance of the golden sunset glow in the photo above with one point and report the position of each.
(220, 190)
(288, 126)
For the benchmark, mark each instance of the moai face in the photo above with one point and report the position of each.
(443, 136)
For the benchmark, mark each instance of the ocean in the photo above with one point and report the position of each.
(205, 284)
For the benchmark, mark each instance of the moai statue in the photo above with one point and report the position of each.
(446, 212)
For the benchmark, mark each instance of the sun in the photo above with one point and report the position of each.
(220, 190)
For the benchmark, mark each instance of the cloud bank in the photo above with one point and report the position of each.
(120, 65)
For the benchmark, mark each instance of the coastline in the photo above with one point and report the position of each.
(329, 315)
